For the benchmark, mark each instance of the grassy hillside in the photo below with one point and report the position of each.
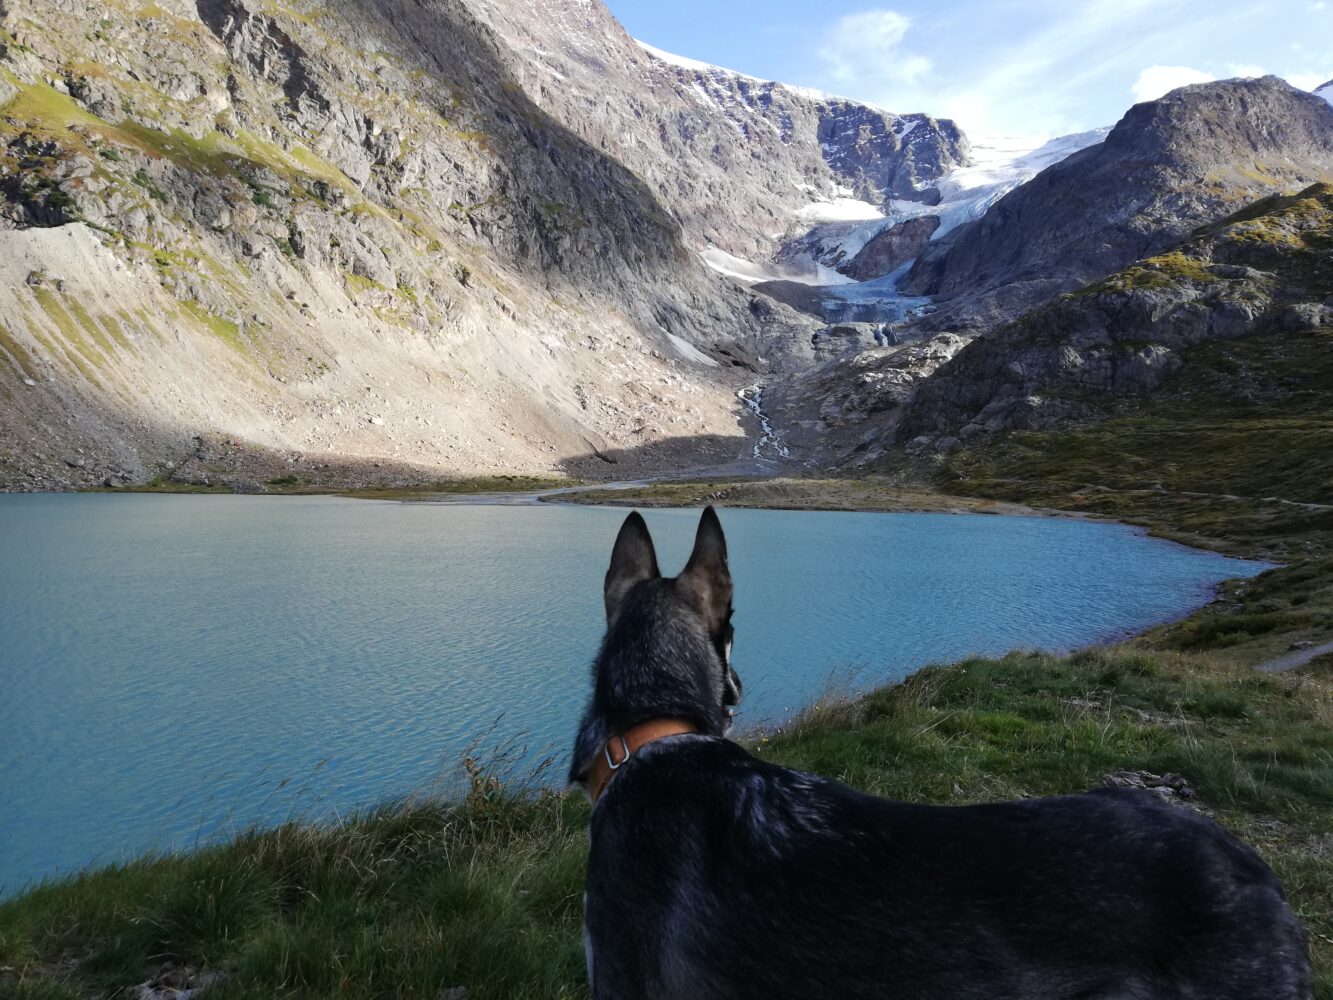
(486, 893)
(1248, 418)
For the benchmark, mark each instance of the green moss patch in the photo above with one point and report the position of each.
(224, 329)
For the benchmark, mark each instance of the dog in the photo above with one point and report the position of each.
(713, 875)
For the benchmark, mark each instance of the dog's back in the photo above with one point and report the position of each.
(713, 874)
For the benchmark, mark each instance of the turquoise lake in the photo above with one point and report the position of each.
(176, 668)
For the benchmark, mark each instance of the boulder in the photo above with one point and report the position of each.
(1306, 317)
(892, 248)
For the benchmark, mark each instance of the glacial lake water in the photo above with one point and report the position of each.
(175, 668)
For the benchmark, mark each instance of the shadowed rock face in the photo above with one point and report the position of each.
(1168, 166)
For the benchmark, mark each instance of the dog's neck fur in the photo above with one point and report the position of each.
(655, 662)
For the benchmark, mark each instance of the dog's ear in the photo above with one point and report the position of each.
(706, 576)
(633, 560)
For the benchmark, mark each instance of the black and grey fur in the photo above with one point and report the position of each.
(714, 874)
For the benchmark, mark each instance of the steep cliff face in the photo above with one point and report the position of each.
(883, 157)
(890, 249)
(738, 160)
(333, 230)
(1167, 167)
(1268, 269)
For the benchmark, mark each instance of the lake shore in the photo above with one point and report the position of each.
(1289, 534)
(868, 493)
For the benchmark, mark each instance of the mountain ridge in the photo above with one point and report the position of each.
(1167, 166)
(351, 206)
(460, 236)
(1268, 267)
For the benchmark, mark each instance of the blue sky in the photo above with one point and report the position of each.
(1033, 67)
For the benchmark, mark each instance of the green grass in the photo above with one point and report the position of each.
(225, 330)
(485, 893)
(357, 284)
(1163, 271)
(1246, 417)
(870, 492)
(462, 485)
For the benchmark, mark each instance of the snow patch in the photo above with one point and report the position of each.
(751, 273)
(684, 62)
(998, 165)
(689, 352)
(709, 69)
(840, 209)
(1326, 92)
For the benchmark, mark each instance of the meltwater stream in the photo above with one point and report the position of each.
(175, 668)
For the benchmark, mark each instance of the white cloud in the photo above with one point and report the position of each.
(866, 49)
(1306, 81)
(1040, 67)
(1155, 81)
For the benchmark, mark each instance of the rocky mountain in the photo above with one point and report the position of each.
(1266, 269)
(891, 248)
(995, 167)
(338, 240)
(848, 409)
(1168, 166)
(739, 161)
(841, 271)
(244, 239)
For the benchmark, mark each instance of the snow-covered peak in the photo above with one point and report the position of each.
(709, 69)
(1326, 92)
(997, 165)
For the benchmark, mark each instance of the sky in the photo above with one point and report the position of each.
(999, 67)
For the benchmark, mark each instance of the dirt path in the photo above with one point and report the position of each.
(1294, 660)
(525, 498)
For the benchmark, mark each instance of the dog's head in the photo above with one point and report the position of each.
(669, 639)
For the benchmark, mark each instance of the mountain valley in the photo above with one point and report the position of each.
(341, 244)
